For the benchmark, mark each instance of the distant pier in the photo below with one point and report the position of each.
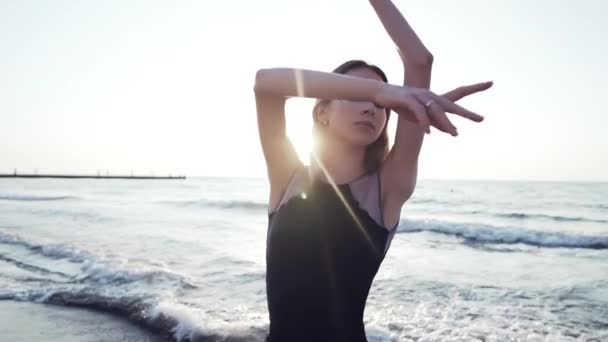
(19, 175)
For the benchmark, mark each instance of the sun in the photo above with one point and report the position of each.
(299, 126)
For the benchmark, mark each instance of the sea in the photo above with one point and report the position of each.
(184, 260)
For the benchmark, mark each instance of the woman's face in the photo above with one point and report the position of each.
(356, 122)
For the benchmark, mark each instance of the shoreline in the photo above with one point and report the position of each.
(26, 321)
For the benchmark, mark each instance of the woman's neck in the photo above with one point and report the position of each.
(341, 162)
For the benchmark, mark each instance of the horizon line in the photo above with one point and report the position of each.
(441, 179)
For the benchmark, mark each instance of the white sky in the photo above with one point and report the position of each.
(166, 86)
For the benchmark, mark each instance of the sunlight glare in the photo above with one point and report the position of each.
(299, 84)
(344, 201)
(299, 126)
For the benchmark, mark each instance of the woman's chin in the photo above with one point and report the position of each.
(362, 141)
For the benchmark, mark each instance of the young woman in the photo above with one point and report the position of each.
(331, 223)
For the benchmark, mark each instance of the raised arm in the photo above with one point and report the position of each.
(274, 86)
(399, 171)
(413, 52)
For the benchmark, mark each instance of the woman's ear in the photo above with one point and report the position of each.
(320, 113)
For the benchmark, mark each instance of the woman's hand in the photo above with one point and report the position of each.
(427, 108)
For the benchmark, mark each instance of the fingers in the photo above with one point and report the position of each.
(442, 121)
(460, 92)
(451, 107)
(428, 108)
(415, 107)
(436, 113)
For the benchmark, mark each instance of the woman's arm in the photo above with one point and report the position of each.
(287, 82)
(399, 171)
(411, 48)
(274, 86)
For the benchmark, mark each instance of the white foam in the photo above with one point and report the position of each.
(193, 323)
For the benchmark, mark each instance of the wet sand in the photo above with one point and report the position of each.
(24, 321)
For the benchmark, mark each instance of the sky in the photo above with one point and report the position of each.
(166, 87)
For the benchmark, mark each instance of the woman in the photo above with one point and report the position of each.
(331, 223)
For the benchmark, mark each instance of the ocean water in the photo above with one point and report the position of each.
(472, 260)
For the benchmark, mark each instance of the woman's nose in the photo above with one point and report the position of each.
(369, 109)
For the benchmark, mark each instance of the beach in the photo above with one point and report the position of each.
(23, 321)
(181, 260)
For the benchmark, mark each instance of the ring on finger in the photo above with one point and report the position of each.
(429, 103)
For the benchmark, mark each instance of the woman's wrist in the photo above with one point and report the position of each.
(382, 95)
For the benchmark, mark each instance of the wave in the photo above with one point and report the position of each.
(223, 204)
(32, 268)
(477, 233)
(28, 279)
(35, 198)
(143, 296)
(54, 251)
(170, 320)
(549, 217)
(71, 214)
(530, 216)
(92, 270)
(442, 202)
(105, 274)
(426, 200)
(256, 205)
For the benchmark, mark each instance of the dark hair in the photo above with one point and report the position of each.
(377, 151)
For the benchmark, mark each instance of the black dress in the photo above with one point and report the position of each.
(323, 252)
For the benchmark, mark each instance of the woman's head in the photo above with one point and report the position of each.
(359, 123)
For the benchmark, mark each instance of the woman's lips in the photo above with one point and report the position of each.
(365, 124)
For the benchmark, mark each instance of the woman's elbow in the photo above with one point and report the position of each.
(423, 60)
(260, 80)
(420, 59)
